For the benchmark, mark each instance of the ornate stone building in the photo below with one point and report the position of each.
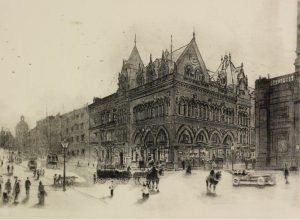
(277, 115)
(174, 109)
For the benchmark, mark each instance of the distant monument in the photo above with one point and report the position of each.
(22, 131)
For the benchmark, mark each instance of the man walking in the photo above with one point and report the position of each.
(8, 186)
(111, 187)
(8, 168)
(95, 178)
(27, 186)
(286, 174)
(41, 193)
(1, 183)
(12, 169)
(183, 164)
(54, 179)
(17, 190)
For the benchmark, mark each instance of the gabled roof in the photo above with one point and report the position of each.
(193, 45)
(135, 58)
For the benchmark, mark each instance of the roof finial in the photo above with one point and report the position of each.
(135, 40)
(194, 34)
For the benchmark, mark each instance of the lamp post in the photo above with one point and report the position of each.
(65, 146)
(232, 155)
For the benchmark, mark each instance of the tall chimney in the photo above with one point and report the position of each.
(297, 61)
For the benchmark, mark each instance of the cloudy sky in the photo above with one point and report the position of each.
(56, 55)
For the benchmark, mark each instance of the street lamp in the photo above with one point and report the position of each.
(232, 155)
(64, 144)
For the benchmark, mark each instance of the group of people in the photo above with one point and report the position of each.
(10, 169)
(12, 192)
(37, 173)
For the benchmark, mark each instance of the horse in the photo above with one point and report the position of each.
(213, 180)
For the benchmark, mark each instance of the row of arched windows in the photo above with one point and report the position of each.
(150, 110)
(243, 137)
(206, 112)
(243, 119)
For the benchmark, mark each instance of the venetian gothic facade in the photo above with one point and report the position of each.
(172, 109)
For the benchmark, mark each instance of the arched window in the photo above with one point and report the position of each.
(201, 138)
(161, 138)
(228, 141)
(149, 140)
(188, 70)
(215, 139)
(185, 137)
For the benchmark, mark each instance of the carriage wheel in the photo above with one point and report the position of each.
(101, 180)
(261, 181)
(236, 181)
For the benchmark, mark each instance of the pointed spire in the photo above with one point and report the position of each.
(171, 48)
(150, 58)
(194, 34)
(163, 56)
(135, 40)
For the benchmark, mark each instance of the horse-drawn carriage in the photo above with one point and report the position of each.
(32, 163)
(52, 161)
(120, 175)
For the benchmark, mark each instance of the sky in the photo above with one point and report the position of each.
(56, 55)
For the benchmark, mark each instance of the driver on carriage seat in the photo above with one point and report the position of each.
(212, 174)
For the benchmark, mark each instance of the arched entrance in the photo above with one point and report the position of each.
(201, 153)
(151, 150)
(162, 143)
(136, 154)
(227, 144)
(216, 147)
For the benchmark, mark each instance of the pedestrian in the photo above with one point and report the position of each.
(59, 179)
(27, 186)
(183, 164)
(128, 169)
(88, 164)
(54, 179)
(12, 169)
(95, 178)
(286, 174)
(1, 183)
(43, 172)
(8, 168)
(111, 187)
(17, 190)
(189, 169)
(8, 186)
(78, 163)
(41, 193)
(38, 174)
(34, 173)
(145, 191)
